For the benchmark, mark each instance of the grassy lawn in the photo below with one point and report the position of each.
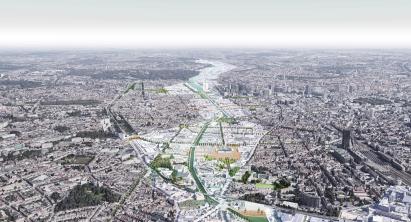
(264, 186)
(192, 203)
(76, 159)
(258, 219)
(162, 90)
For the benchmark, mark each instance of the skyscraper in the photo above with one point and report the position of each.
(306, 90)
(205, 86)
(346, 138)
(142, 90)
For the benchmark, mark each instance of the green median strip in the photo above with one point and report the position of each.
(191, 168)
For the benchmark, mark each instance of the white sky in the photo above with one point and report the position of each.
(212, 23)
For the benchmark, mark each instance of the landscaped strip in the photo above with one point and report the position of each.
(193, 170)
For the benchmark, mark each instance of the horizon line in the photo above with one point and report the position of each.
(260, 37)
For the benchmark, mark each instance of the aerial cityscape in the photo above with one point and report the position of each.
(205, 111)
(205, 135)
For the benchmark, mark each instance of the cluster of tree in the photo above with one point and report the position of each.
(330, 194)
(55, 196)
(259, 169)
(77, 159)
(78, 167)
(143, 74)
(3, 179)
(158, 216)
(227, 162)
(10, 215)
(233, 171)
(254, 181)
(21, 83)
(175, 177)
(245, 177)
(86, 195)
(100, 134)
(27, 154)
(61, 129)
(15, 132)
(255, 197)
(281, 184)
(372, 101)
(71, 102)
(160, 162)
(75, 113)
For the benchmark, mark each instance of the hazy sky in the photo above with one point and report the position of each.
(206, 23)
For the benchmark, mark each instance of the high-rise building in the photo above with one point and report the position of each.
(142, 90)
(205, 86)
(306, 90)
(310, 199)
(350, 89)
(346, 139)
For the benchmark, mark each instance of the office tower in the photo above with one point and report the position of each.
(142, 90)
(205, 86)
(346, 139)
